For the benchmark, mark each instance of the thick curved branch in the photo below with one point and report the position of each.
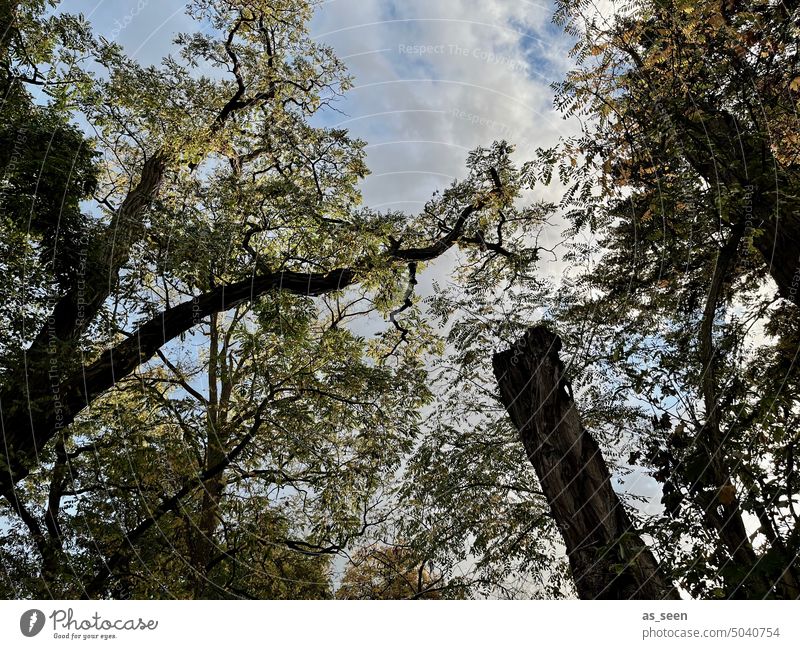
(27, 428)
(26, 432)
(75, 310)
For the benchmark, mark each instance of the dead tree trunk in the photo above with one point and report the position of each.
(608, 558)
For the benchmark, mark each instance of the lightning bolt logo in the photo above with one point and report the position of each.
(31, 622)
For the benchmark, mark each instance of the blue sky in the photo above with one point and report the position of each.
(433, 78)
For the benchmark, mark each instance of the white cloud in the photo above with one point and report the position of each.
(435, 79)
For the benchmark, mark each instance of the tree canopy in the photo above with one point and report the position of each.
(182, 383)
(194, 399)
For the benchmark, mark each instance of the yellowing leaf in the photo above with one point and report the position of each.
(727, 494)
(716, 21)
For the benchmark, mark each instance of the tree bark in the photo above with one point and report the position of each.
(607, 556)
(779, 244)
(204, 542)
(26, 425)
(26, 429)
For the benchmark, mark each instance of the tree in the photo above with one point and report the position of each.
(473, 502)
(696, 107)
(608, 558)
(690, 194)
(391, 572)
(203, 211)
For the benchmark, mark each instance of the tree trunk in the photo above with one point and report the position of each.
(208, 520)
(608, 558)
(778, 241)
(771, 212)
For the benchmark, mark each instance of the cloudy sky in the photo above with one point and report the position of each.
(433, 78)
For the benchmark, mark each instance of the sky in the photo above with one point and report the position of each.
(432, 80)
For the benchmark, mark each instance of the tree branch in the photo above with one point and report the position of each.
(121, 554)
(26, 431)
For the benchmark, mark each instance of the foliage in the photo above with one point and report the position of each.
(688, 187)
(192, 406)
(391, 572)
(241, 428)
